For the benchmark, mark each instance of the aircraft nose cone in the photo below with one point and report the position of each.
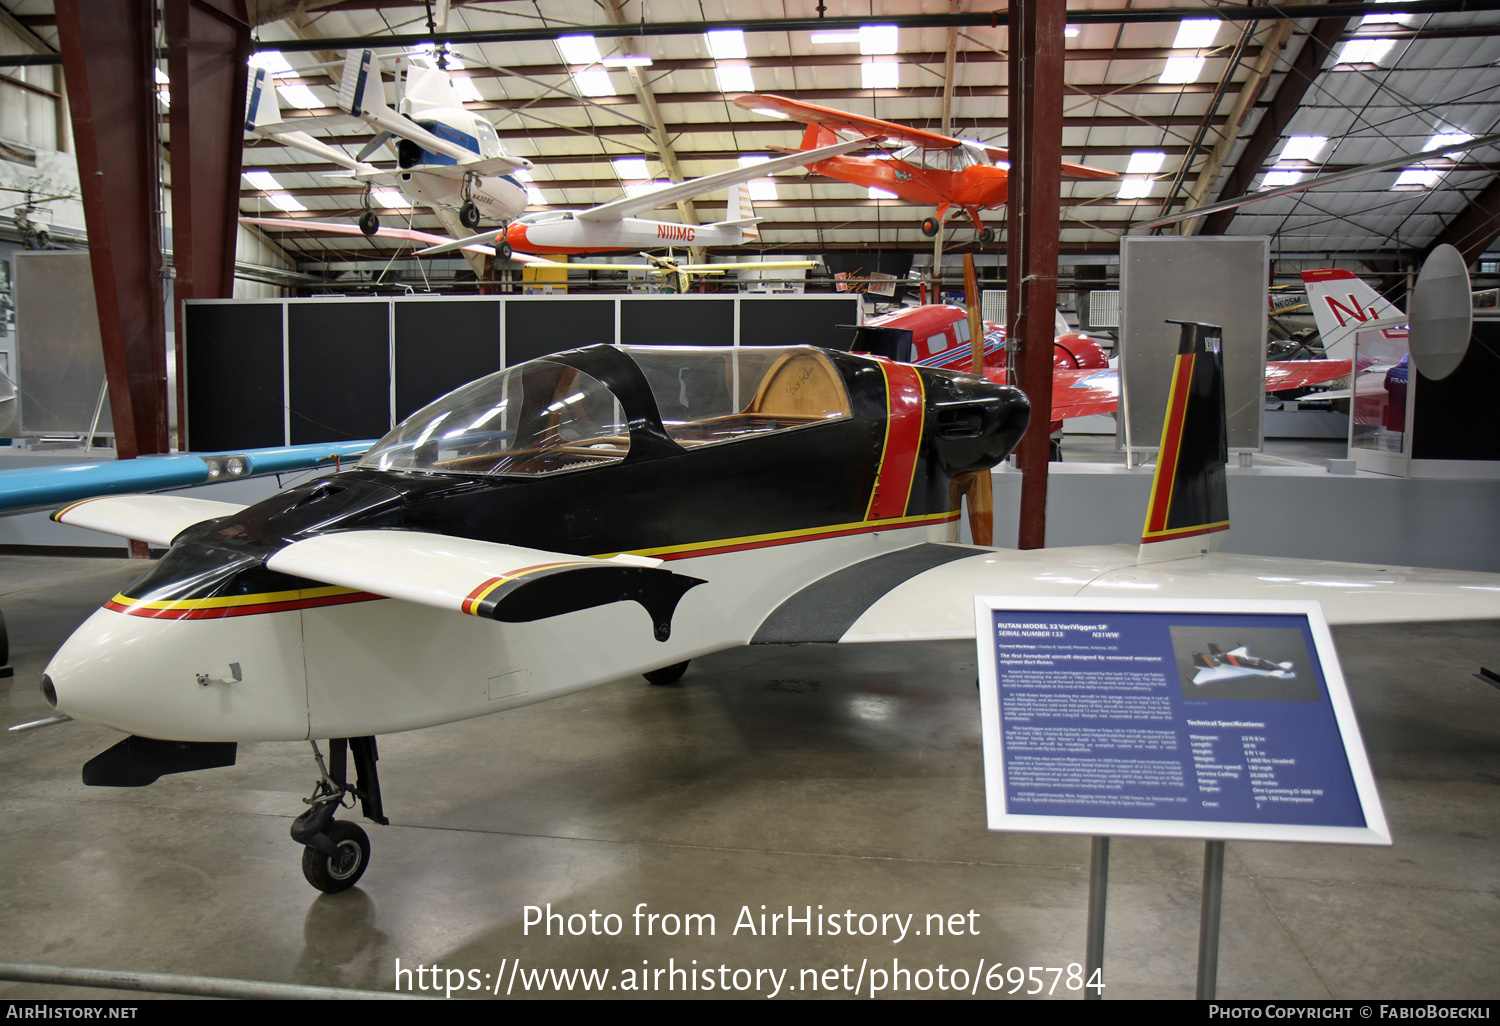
(140, 675)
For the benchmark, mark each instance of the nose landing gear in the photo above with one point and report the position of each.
(337, 852)
(468, 213)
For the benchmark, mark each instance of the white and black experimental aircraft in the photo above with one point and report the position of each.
(608, 511)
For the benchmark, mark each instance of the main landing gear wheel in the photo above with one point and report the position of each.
(332, 874)
(986, 236)
(930, 227)
(369, 224)
(468, 215)
(502, 250)
(668, 674)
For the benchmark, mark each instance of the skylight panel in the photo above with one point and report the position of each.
(1196, 33)
(1072, 31)
(831, 38)
(1303, 147)
(642, 188)
(1365, 51)
(879, 74)
(594, 82)
(1416, 178)
(727, 44)
(271, 60)
(628, 60)
(877, 194)
(1134, 188)
(1145, 162)
(1181, 70)
(734, 78)
(579, 49)
(300, 96)
(1447, 139)
(1278, 177)
(631, 168)
(763, 189)
(534, 197)
(277, 197)
(389, 198)
(877, 39)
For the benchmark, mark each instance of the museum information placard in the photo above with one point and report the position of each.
(1218, 720)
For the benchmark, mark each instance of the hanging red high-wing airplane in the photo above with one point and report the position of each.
(1083, 382)
(954, 175)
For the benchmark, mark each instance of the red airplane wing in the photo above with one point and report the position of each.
(1079, 391)
(843, 121)
(1285, 374)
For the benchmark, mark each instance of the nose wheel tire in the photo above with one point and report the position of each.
(468, 215)
(503, 251)
(331, 874)
(667, 674)
(986, 236)
(369, 224)
(930, 227)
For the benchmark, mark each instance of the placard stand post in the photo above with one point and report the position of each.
(1098, 890)
(1208, 921)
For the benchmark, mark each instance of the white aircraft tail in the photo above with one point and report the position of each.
(741, 213)
(1342, 304)
(361, 91)
(262, 108)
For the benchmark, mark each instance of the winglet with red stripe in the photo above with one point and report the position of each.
(1189, 508)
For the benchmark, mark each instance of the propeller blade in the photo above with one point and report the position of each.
(373, 145)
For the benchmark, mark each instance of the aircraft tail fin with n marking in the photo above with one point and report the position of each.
(1342, 304)
(1189, 507)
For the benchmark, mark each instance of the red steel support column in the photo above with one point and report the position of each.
(1035, 116)
(108, 59)
(208, 47)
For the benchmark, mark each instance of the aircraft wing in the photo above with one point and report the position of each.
(485, 579)
(630, 206)
(939, 603)
(23, 489)
(1081, 392)
(264, 119)
(436, 243)
(156, 519)
(843, 121)
(1284, 374)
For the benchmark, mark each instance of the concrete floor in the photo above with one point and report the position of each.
(847, 778)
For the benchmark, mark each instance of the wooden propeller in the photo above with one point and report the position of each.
(979, 490)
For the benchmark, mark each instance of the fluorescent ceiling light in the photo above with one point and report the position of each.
(1447, 139)
(826, 38)
(762, 189)
(389, 198)
(1181, 70)
(1279, 176)
(1145, 162)
(1303, 147)
(879, 74)
(1134, 188)
(579, 49)
(594, 82)
(1417, 178)
(880, 193)
(727, 44)
(1196, 33)
(734, 78)
(628, 61)
(877, 39)
(1387, 19)
(1365, 51)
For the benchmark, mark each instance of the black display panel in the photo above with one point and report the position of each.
(1453, 418)
(234, 375)
(799, 322)
(550, 324)
(339, 366)
(442, 345)
(677, 321)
